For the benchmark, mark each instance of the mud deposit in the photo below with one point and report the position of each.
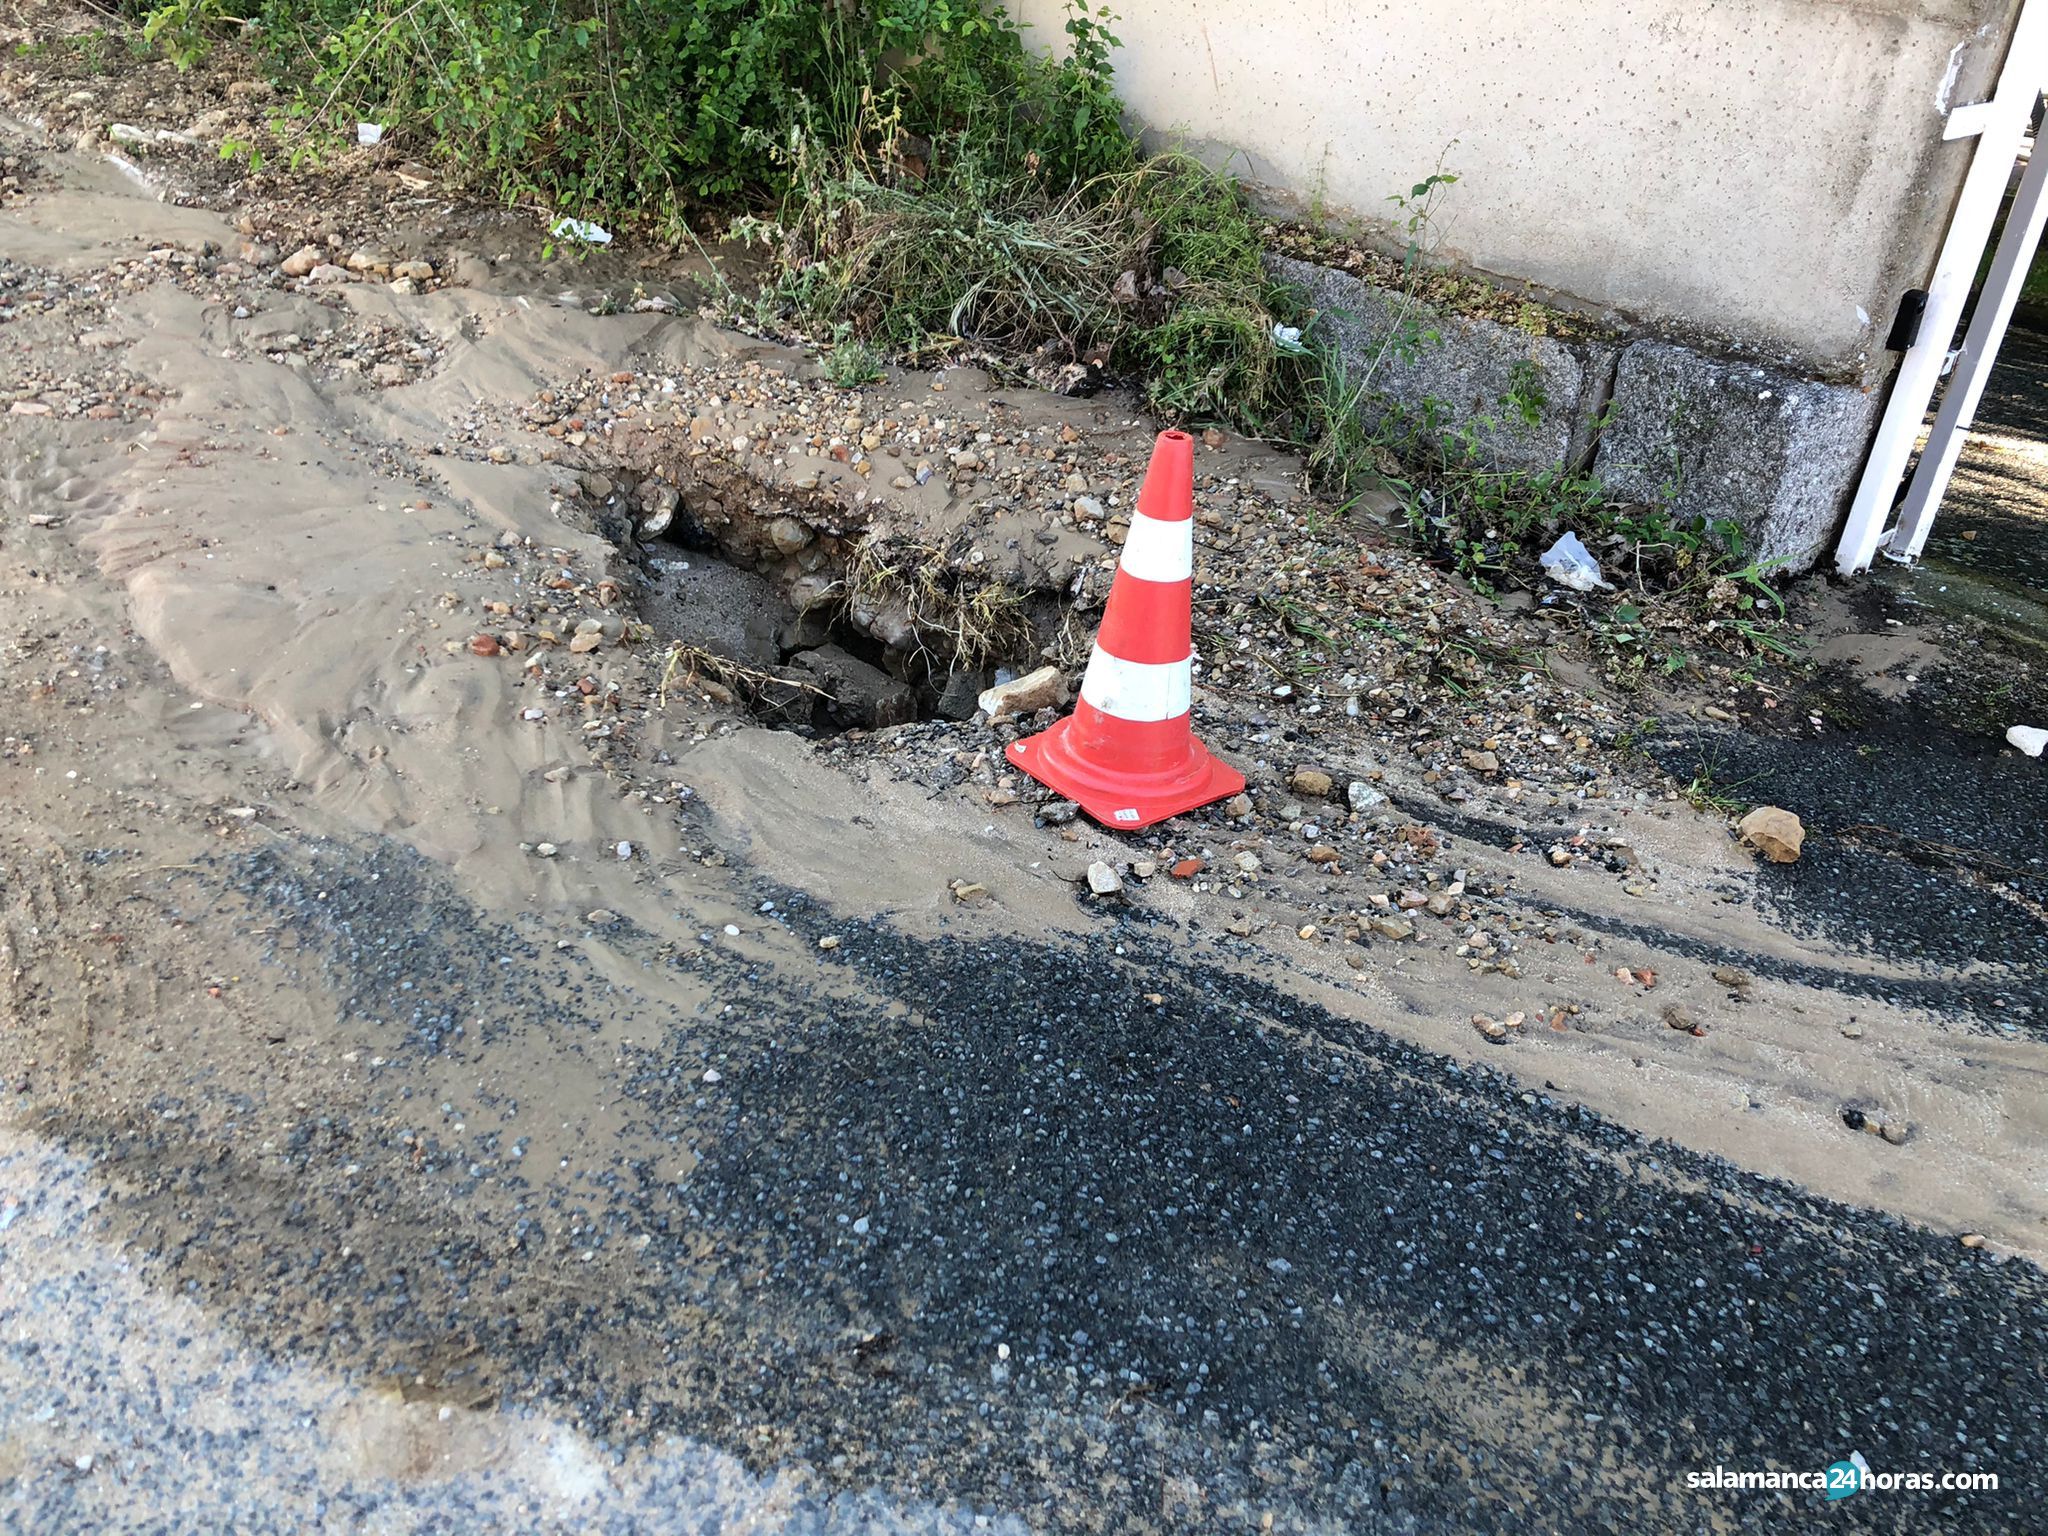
(530, 997)
(1925, 823)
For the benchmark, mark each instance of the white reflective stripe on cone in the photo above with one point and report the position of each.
(1136, 690)
(1160, 551)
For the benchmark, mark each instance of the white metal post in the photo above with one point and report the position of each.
(2000, 126)
(1959, 401)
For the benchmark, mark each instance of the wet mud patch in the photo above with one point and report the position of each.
(1999, 998)
(433, 1208)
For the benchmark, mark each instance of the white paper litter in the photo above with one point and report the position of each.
(581, 229)
(1571, 563)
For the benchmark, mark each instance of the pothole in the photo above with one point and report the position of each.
(792, 604)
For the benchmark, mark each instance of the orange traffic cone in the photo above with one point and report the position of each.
(1126, 755)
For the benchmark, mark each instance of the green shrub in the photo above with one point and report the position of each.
(1213, 354)
(186, 30)
(852, 362)
(611, 107)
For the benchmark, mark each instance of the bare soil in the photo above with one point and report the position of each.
(328, 624)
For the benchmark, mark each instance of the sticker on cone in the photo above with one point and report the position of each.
(1128, 755)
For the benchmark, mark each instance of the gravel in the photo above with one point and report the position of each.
(1245, 1257)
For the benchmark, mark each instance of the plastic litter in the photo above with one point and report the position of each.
(2030, 739)
(1571, 563)
(581, 229)
(369, 133)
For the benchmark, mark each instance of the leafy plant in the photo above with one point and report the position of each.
(852, 362)
(240, 149)
(1418, 208)
(186, 30)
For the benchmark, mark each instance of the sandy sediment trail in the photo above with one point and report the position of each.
(435, 1020)
(304, 547)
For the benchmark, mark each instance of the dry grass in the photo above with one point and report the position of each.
(982, 621)
(1156, 269)
(688, 665)
(906, 265)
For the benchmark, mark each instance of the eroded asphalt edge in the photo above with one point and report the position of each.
(1392, 1282)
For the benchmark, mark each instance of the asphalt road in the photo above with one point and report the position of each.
(982, 1233)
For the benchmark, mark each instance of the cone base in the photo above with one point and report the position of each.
(1121, 800)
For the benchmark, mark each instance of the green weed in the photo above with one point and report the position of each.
(186, 30)
(643, 108)
(852, 362)
(1705, 791)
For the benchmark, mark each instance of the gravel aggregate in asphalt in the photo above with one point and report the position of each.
(976, 1225)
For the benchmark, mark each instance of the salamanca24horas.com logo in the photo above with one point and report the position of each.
(1841, 1479)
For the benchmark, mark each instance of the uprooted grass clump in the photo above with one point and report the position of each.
(962, 622)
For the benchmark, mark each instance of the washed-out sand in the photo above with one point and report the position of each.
(293, 548)
(337, 958)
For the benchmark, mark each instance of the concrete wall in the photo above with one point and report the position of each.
(1762, 173)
